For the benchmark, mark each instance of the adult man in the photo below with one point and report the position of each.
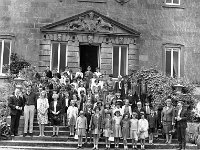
(30, 100)
(16, 104)
(139, 109)
(119, 85)
(181, 125)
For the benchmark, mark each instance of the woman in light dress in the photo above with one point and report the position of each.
(42, 109)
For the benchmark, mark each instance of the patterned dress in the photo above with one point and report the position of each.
(42, 106)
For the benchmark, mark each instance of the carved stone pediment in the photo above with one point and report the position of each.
(90, 22)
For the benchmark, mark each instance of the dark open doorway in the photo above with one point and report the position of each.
(88, 57)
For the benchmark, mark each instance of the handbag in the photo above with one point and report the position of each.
(76, 137)
(111, 138)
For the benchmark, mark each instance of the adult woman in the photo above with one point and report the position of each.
(55, 113)
(167, 119)
(42, 110)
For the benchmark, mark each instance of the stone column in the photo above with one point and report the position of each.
(73, 58)
(133, 58)
(44, 55)
(106, 58)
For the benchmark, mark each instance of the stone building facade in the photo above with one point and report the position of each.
(116, 35)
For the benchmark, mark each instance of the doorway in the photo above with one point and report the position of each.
(89, 57)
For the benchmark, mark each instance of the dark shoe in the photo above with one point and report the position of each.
(56, 135)
(31, 134)
(179, 148)
(12, 135)
(16, 134)
(25, 134)
(53, 135)
(78, 147)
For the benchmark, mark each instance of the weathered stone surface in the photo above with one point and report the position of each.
(106, 61)
(106, 55)
(72, 59)
(74, 54)
(44, 58)
(45, 52)
(106, 66)
(73, 48)
(133, 57)
(157, 25)
(106, 50)
(72, 65)
(143, 58)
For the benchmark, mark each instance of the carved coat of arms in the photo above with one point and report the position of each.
(90, 23)
(122, 2)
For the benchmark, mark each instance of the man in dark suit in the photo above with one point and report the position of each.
(16, 103)
(139, 109)
(119, 86)
(181, 125)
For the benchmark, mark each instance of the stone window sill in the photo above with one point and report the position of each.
(173, 6)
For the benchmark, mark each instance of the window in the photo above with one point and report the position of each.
(172, 2)
(5, 52)
(58, 56)
(172, 64)
(120, 60)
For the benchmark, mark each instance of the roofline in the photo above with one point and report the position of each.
(130, 30)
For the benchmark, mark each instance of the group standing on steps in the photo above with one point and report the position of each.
(94, 106)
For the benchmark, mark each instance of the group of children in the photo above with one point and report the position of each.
(110, 123)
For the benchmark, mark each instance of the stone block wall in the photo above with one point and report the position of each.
(157, 24)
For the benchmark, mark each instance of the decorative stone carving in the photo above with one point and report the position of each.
(121, 40)
(90, 23)
(59, 37)
(90, 39)
(122, 2)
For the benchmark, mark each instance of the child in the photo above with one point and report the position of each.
(110, 96)
(107, 128)
(143, 129)
(72, 114)
(81, 126)
(95, 126)
(134, 130)
(125, 124)
(79, 73)
(126, 109)
(152, 119)
(117, 133)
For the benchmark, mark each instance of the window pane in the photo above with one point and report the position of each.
(115, 61)
(168, 1)
(176, 1)
(123, 60)
(175, 63)
(62, 57)
(54, 63)
(168, 63)
(6, 54)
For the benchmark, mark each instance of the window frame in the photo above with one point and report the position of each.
(2, 52)
(119, 59)
(59, 43)
(172, 3)
(172, 50)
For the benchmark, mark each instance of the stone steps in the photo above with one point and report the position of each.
(67, 144)
(67, 138)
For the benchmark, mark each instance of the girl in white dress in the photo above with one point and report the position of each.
(143, 127)
(42, 109)
(72, 114)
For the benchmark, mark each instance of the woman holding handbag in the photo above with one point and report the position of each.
(55, 110)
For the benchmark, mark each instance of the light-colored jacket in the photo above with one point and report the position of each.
(81, 123)
(72, 111)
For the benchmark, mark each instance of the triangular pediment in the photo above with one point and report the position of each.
(90, 22)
